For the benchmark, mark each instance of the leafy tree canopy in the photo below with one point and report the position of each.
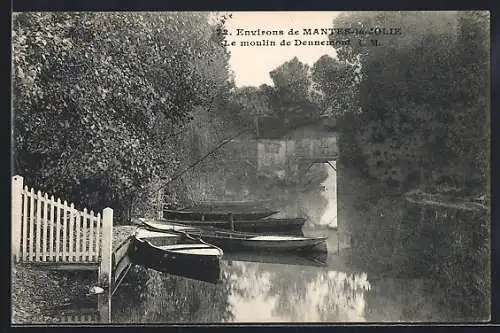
(424, 92)
(291, 94)
(96, 96)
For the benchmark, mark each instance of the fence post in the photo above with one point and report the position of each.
(16, 216)
(105, 267)
(104, 306)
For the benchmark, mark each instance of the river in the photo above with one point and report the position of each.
(407, 264)
(252, 292)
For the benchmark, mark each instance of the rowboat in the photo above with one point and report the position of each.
(216, 215)
(290, 226)
(176, 227)
(230, 205)
(178, 254)
(240, 241)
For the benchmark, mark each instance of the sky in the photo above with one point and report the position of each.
(251, 64)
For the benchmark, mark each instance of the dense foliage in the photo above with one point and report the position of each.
(338, 84)
(292, 95)
(424, 123)
(424, 96)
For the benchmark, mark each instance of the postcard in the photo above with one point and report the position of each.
(250, 167)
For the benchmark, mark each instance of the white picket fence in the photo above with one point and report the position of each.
(45, 230)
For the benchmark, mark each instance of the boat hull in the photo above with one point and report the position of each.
(234, 244)
(202, 268)
(231, 204)
(290, 226)
(241, 241)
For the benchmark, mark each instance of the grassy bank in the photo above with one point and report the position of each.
(38, 294)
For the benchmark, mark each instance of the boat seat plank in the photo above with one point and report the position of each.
(276, 238)
(197, 249)
(183, 246)
(143, 233)
(200, 252)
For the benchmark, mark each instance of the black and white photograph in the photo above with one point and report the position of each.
(206, 167)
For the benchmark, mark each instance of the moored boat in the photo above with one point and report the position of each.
(290, 226)
(216, 215)
(229, 240)
(178, 254)
(230, 205)
(175, 226)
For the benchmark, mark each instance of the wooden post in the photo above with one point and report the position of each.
(338, 241)
(231, 221)
(45, 225)
(104, 307)
(422, 218)
(71, 232)
(16, 216)
(24, 236)
(38, 222)
(107, 248)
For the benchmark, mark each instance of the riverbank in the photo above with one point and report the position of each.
(448, 201)
(37, 293)
(442, 240)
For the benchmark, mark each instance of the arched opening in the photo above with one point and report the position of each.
(319, 202)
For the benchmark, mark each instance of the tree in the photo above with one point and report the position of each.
(96, 95)
(338, 83)
(291, 95)
(413, 93)
(244, 104)
(467, 136)
(424, 96)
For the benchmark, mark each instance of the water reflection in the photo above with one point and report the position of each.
(318, 259)
(251, 289)
(284, 290)
(285, 293)
(266, 288)
(149, 296)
